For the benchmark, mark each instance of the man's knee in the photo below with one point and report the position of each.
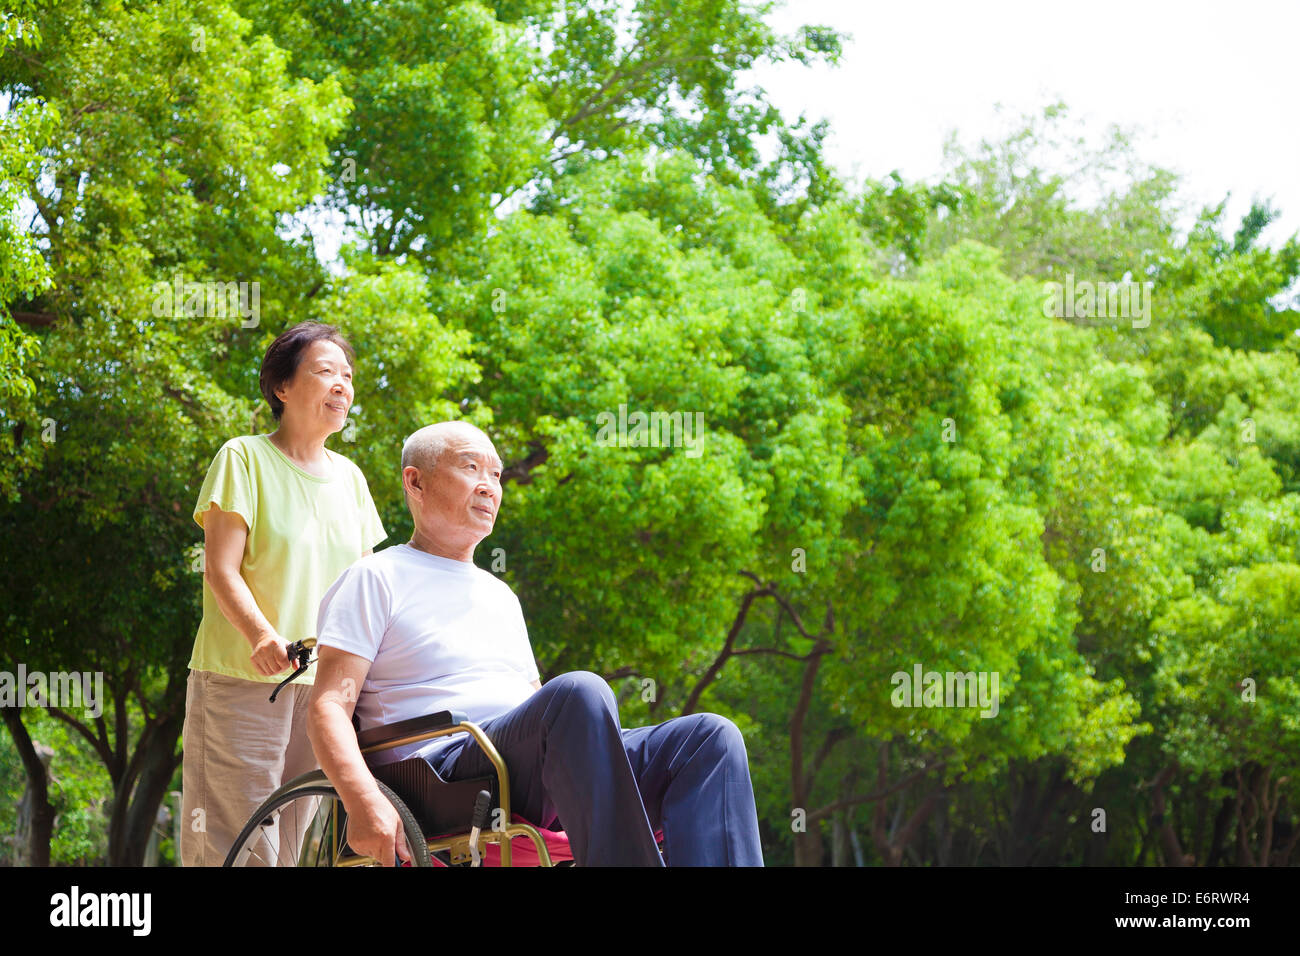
(582, 690)
(721, 734)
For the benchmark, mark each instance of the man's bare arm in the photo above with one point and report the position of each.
(224, 538)
(373, 824)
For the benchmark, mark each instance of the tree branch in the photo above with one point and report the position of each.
(593, 104)
(832, 738)
(907, 781)
(37, 319)
(521, 471)
(711, 674)
(100, 746)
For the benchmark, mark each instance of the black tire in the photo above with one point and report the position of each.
(318, 819)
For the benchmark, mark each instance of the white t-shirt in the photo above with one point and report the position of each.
(440, 635)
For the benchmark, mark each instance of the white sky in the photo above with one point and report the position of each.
(1212, 88)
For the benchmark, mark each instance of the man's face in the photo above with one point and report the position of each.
(462, 492)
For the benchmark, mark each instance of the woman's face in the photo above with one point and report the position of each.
(319, 395)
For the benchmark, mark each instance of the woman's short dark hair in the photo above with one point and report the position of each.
(282, 359)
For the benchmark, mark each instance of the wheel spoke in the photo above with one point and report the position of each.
(297, 831)
(306, 826)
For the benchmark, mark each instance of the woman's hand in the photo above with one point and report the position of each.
(271, 655)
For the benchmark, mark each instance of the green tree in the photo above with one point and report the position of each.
(164, 165)
(24, 129)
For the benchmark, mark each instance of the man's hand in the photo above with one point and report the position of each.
(375, 830)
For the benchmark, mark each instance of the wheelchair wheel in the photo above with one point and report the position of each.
(304, 824)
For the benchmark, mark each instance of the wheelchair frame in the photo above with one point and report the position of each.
(444, 724)
(460, 847)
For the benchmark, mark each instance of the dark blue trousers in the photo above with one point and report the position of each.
(572, 766)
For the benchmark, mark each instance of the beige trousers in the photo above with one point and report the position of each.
(239, 748)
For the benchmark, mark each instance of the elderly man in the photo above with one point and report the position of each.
(418, 628)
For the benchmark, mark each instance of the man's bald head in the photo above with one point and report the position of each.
(426, 446)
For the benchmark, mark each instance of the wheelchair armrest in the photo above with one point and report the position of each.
(406, 728)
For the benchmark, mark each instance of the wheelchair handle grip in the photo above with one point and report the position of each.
(300, 655)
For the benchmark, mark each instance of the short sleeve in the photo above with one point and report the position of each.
(228, 485)
(355, 611)
(525, 663)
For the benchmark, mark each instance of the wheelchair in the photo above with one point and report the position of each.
(446, 823)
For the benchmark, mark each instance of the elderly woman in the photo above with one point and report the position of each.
(282, 517)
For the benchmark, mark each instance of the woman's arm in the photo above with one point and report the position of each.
(224, 537)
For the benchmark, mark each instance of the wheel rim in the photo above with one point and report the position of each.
(306, 825)
(304, 828)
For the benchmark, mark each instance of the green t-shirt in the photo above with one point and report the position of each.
(303, 532)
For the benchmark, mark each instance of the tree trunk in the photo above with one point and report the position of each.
(808, 849)
(858, 860)
(808, 845)
(892, 839)
(1255, 806)
(39, 810)
(1222, 821)
(1169, 844)
(1201, 815)
(943, 833)
(139, 794)
(839, 840)
(1036, 800)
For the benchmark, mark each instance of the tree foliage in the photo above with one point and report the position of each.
(889, 453)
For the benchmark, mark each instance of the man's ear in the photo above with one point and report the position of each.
(411, 480)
